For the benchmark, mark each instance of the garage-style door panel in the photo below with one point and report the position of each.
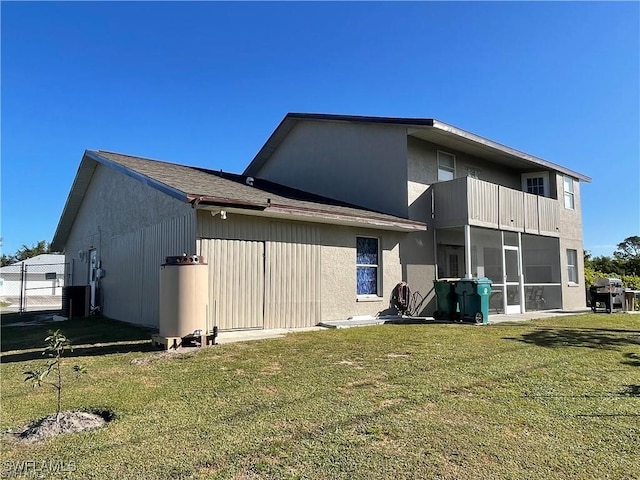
(236, 283)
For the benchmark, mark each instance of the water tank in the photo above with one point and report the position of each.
(184, 292)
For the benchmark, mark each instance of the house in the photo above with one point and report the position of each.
(329, 216)
(36, 282)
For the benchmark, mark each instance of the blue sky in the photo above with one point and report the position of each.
(205, 83)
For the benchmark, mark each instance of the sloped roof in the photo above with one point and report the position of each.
(208, 188)
(51, 262)
(428, 129)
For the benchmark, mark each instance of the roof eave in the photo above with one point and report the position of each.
(444, 127)
(289, 121)
(318, 216)
(81, 182)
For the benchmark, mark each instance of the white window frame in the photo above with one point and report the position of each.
(545, 182)
(572, 266)
(446, 168)
(369, 296)
(569, 195)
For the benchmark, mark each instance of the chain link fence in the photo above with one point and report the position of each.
(32, 287)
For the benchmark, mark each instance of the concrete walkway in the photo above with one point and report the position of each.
(520, 317)
(248, 335)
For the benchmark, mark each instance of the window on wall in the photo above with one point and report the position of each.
(569, 199)
(572, 265)
(446, 166)
(367, 265)
(536, 183)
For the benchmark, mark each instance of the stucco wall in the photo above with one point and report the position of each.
(361, 164)
(570, 220)
(422, 168)
(339, 299)
(132, 226)
(573, 296)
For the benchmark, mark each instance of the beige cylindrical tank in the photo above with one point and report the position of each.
(184, 288)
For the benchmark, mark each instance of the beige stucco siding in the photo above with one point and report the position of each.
(361, 164)
(418, 267)
(133, 227)
(573, 296)
(339, 298)
(422, 168)
(570, 219)
(310, 271)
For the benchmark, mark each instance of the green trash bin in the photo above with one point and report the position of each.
(445, 299)
(473, 298)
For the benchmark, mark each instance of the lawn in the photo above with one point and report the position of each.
(558, 398)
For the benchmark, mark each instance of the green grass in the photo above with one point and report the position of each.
(548, 399)
(81, 331)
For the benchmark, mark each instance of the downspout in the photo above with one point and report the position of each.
(195, 202)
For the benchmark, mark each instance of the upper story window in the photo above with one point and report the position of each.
(569, 195)
(367, 265)
(446, 166)
(536, 183)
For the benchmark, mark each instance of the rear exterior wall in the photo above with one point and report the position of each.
(573, 294)
(133, 228)
(364, 165)
(309, 268)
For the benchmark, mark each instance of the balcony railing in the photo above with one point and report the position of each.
(469, 201)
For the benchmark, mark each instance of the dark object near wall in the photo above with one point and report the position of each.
(75, 301)
(607, 292)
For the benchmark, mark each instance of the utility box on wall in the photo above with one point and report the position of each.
(184, 287)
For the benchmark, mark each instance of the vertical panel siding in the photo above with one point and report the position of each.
(236, 227)
(236, 283)
(122, 292)
(450, 203)
(171, 237)
(292, 273)
(531, 214)
(483, 203)
(511, 209)
(292, 269)
(132, 264)
(549, 216)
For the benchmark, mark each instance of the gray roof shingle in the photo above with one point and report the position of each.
(217, 187)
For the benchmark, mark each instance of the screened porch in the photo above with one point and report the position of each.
(524, 268)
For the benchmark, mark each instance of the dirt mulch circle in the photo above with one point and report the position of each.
(70, 422)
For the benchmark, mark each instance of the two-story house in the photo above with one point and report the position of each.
(329, 216)
(491, 210)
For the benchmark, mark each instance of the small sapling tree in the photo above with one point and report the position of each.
(56, 344)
